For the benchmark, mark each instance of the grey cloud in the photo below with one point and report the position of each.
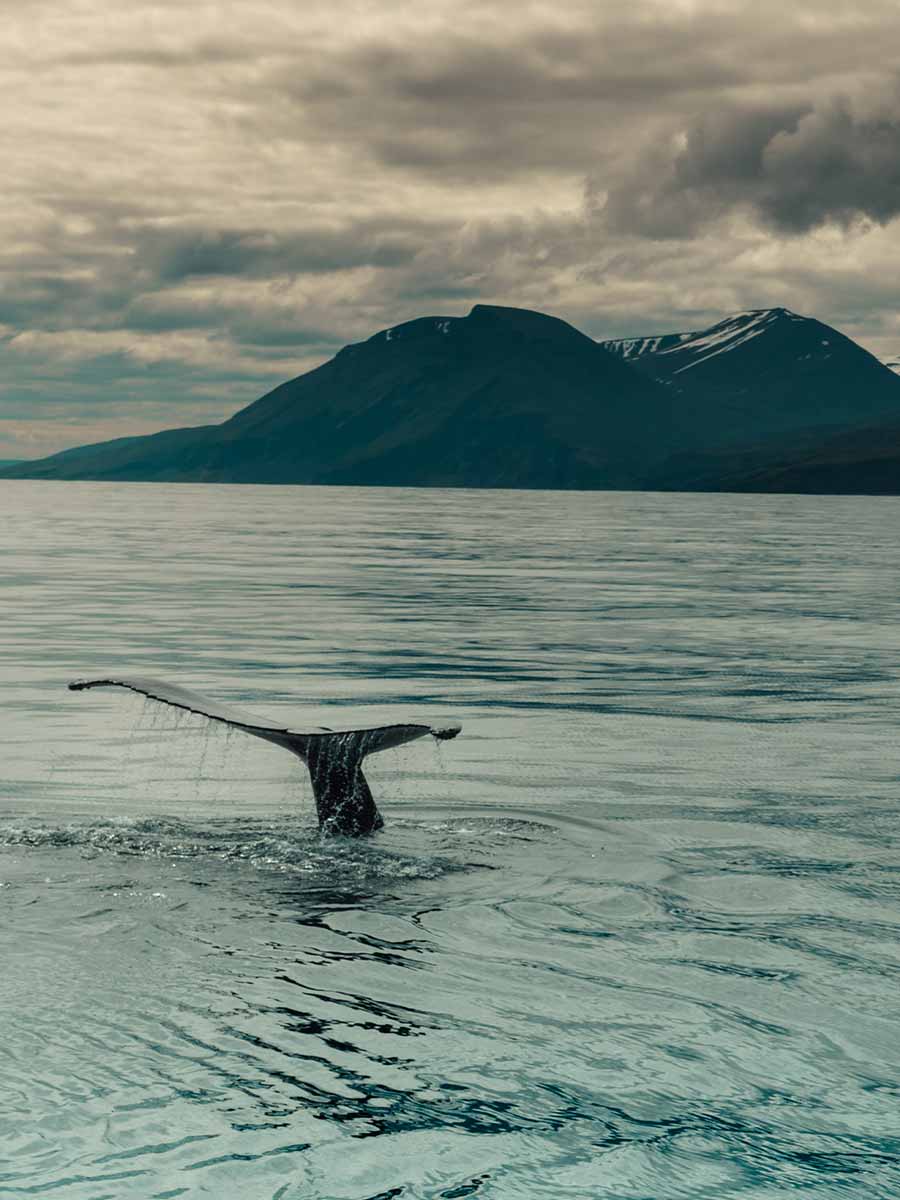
(189, 252)
(184, 53)
(263, 330)
(534, 101)
(533, 95)
(49, 300)
(544, 65)
(126, 271)
(837, 164)
(796, 168)
(204, 206)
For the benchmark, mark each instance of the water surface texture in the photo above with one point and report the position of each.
(633, 935)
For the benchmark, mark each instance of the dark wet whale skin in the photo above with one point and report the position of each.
(344, 802)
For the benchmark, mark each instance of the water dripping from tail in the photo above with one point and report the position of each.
(344, 801)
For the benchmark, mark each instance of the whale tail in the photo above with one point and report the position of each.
(344, 801)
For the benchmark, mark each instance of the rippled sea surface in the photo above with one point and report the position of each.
(633, 935)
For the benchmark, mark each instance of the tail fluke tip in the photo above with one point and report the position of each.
(445, 732)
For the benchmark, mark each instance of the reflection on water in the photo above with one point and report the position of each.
(633, 935)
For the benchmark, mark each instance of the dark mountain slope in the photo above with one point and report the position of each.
(502, 397)
(862, 462)
(766, 373)
(505, 397)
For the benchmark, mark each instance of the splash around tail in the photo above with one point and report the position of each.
(344, 801)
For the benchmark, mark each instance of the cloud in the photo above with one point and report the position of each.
(200, 200)
(182, 252)
(540, 99)
(794, 168)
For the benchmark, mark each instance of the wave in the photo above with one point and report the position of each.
(427, 850)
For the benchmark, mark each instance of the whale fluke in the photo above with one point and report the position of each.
(334, 757)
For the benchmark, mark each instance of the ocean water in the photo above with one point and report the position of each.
(632, 935)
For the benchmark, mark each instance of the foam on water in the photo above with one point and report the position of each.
(274, 845)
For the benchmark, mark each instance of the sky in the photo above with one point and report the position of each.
(201, 200)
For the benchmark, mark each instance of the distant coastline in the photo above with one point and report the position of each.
(761, 401)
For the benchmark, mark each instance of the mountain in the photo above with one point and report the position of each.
(764, 377)
(503, 397)
(859, 462)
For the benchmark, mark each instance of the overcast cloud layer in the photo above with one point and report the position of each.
(201, 200)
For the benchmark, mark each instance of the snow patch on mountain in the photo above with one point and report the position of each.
(631, 348)
(689, 350)
(722, 338)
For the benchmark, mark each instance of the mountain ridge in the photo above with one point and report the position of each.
(764, 372)
(508, 397)
(500, 397)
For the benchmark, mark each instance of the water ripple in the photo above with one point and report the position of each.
(635, 934)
